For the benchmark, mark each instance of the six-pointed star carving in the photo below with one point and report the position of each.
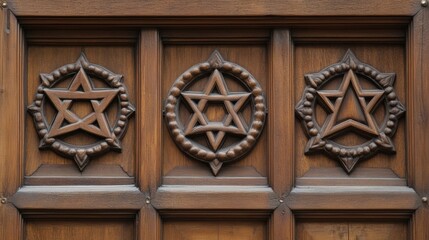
(205, 126)
(350, 85)
(62, 100)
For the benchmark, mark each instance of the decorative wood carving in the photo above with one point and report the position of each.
(350, 108)
(67, 122)
(215, 91)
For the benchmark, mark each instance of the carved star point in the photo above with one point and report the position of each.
(363, 109)
(62, 100)
(198, 101)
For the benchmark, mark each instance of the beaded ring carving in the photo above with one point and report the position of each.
(349, 108)
(214, 150)
(67, 122)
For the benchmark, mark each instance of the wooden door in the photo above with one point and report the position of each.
(216, 120)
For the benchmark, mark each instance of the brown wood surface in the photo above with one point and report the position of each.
(79, 229)
(351, 230)
(215, 198)
(215, 8)
(149, 114)
(152, 190)
(121, 197)
(149, 132)
(214, 230)
(11, 138)
(418, 122)
(352, 198)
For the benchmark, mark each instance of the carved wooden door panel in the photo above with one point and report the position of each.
(160, 120)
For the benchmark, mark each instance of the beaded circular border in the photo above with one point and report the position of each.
(235, 151)
(81, 154)
(349, 155)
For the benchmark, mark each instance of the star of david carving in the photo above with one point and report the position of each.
(67, 122)
(211, 128)
(350, 108)
(63, 99)
(215, 91)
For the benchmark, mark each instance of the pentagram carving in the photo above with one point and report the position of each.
(215, 90)
(67, 122)
(350, 108)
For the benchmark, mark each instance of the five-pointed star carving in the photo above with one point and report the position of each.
(62, 100)
(362, 109)
(216, 80)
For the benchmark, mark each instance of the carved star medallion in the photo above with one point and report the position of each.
(67, 122)
(204, 125)
(350, 108)
(63, 99)
(215, 90)
(359, 109)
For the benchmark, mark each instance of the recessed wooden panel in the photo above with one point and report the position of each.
(177, 59)
(214, 230)
(42, 165)
(79, 229)
(325, 230)
(389, 58)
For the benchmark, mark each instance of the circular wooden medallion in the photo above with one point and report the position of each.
(350, 110)
(66, 122)
(233, 134)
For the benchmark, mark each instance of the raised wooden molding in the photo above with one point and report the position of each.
(209, 197)
(380, 198)
(219, 8)
(350, 108)
(81, 88)
(123, 197)
(215, 153)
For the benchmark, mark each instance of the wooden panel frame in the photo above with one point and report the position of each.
(331, 201)
(11, 139)
(417, 124)
(149, 220)
(216, 8)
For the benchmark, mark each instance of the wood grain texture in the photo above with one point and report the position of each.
(366, 33)
(150, 114)
(281, 224)
(123, 197)
(215, 197)
(417, 123)
(215, 8)
(313, 230)
(10, 222)
(89, 37)
(149, 136)
(360, 177)
(148, 224)
(79, 229)
(12, 120)
(281, 107)
(11, 100)
(353, 198)
(214, 230)
(309, 58)
(281, 142)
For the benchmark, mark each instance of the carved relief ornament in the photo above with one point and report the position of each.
(350, 108)
(215, 90)
(67, 122)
